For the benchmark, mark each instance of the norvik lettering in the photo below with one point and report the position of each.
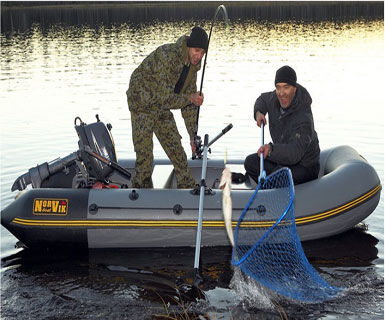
(50, 206)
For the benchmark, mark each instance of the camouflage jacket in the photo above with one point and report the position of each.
(152, 84)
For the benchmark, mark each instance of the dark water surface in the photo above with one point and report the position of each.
(53, 71)
(154, 283)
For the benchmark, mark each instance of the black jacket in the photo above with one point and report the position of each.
(295, 140)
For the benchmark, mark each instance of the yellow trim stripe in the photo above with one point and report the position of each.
(192, 223)
(341, 209)
(132, 223)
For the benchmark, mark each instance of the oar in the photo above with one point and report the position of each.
(198, 278)
(224, 131)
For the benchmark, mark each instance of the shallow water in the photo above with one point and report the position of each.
(49, 76)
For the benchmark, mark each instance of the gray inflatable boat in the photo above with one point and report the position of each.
(84, 200)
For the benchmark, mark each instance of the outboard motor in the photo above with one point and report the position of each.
(94, 161)
(95, 138)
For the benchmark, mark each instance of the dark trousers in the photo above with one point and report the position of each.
(300, 173)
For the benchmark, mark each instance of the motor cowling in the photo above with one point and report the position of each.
(97, 136)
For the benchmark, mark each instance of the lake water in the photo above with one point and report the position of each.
(51, 75)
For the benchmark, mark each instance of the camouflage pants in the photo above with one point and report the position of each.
(144, 125)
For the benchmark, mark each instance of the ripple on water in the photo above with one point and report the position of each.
(50, 76)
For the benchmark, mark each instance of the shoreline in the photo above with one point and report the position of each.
(21, 15)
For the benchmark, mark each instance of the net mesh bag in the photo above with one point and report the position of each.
(267, 247)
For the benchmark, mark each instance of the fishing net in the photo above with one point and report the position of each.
(267, 246)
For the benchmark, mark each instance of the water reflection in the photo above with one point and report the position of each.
(21, 16)
(51, 74)
(80, 70)
(107, 278)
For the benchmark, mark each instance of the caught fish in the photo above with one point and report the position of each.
(227, 207)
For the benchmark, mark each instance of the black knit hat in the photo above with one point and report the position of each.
(198, 38)
(286, 74)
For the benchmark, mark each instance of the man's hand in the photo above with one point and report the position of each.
(266, 149)
(197, 99)
(260, 117)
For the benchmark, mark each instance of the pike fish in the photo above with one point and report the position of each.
(225, 185)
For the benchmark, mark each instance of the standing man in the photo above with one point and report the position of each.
(295, 142)
(166, 79)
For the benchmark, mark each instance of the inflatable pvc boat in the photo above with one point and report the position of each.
(86, 199)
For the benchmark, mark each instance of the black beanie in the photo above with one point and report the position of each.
(286, 74)
(198, 39)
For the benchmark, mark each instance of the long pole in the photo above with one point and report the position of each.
(198, 279)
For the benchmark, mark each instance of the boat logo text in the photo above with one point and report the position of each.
(50, 206)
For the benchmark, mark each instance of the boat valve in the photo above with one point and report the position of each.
(93, 208)
(133, 195)
(177, 209)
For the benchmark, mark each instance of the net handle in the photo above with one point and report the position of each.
(262, 172)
